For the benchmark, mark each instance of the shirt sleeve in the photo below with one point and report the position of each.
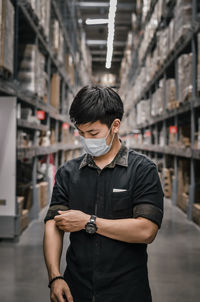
(60, 197)
(148, 195)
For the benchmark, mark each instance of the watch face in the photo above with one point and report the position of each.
(90, 228)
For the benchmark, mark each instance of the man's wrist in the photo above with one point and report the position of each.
(54, 279)
(54, 274)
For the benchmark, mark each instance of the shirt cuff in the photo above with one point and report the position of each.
(53, 211)
(150, 212)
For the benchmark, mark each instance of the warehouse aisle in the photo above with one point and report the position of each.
(174, 262)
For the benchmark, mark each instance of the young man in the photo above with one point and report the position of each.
(111, 202)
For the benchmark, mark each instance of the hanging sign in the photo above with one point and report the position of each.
(173, 129)
(65, 126)
(40, 115)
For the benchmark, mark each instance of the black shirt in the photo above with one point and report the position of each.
(98, 268)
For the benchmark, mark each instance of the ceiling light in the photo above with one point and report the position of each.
(96, 21)
(111, 31)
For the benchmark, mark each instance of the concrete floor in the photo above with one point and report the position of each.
(174, 263)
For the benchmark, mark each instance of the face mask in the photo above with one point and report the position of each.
(96, 146)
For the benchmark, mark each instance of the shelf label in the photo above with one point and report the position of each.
(65, 126)
(173, 129)
(40, 115)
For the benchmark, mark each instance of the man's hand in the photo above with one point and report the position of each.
(60, 292)
(71, 220)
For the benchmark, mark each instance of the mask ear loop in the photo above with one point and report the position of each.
(109, 133)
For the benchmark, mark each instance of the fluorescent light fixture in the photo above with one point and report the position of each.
(96, 21)
(111, 31)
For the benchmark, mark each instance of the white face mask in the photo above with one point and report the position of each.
(96, 146)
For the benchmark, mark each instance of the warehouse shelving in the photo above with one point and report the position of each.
(28, 30)
(184, 113)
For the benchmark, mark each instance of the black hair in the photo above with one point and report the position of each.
(95, 103)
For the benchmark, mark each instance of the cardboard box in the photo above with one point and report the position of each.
(183, 202)
(55, 91)
(196, 213)
(29, 199)
(167, 183)
(24, 220)
(6, 35)
(43, 200)
(183, 184)
(20, 203)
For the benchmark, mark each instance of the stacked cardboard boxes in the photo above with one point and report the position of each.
(183, 184)
(31, 74)
(171, 94)
(6, 35)
(167, 182)
(184, 136)
(55, 91)
(43, 200)
(23, 214)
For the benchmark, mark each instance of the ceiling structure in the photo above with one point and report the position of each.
(96, 35)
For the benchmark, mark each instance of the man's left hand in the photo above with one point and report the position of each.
(71, 220)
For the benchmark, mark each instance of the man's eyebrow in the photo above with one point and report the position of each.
(92, 130)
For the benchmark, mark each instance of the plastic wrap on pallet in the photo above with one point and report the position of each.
(145, 9)
(183, 18)
(45, 15)
(61, 48)
(171, 93)
(41, 77)
(143, 111)
(157, 106)
(184, 77)
(28, 68)
(31, 74)
(171, 35)
(198, 66)
(55, 35)
(6, 35)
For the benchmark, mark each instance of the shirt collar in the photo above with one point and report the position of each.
(120, 159)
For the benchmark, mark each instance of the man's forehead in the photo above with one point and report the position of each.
(91, 126)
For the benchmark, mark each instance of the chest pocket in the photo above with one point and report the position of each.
(121, 205)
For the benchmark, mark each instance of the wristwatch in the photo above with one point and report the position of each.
(91, 226)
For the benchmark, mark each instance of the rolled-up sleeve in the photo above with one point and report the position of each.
(60, 197)
(148, 195)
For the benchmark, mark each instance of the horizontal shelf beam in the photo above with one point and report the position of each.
(30, 125)
(170, 150)
(30, 152)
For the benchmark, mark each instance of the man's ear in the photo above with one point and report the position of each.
(116, 125)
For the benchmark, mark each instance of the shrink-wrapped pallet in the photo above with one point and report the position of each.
(28, 68)
(6, 35)
(184, 77)
(183, 18)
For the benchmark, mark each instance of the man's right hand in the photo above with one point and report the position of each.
(60, 292)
